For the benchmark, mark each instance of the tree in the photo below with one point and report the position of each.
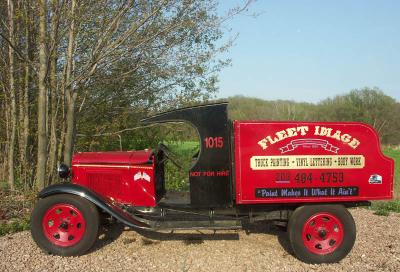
(93, 67)
(162, 50)
(42, 97)
(368, 105)
(70, 93)
(13, 111)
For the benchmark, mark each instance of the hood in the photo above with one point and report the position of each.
(119, 157)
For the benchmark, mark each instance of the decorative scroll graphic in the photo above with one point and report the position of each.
(309, 142)
(307, 162)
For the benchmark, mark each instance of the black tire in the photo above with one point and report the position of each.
(295, 230)
(88, 211)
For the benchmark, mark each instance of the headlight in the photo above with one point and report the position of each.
(63, 170)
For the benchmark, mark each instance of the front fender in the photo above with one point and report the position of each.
(98, 200)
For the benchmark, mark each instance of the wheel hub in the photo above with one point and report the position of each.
(64, 225)
(322, 233)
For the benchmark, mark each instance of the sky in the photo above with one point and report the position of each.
(310, 50)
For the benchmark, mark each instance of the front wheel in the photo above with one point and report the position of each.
(321, 233)
(65, 225)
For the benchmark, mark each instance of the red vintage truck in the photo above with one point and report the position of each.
(303, 174)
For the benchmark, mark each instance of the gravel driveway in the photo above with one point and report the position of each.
(377, 248)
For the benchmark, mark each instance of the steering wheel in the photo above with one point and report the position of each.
(169, 154)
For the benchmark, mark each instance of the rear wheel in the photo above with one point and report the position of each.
(321, 233)
(65, 225)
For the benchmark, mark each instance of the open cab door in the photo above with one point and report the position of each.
(210, 175)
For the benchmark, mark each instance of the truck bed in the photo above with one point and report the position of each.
(286, 162)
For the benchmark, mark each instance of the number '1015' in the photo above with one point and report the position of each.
(214, 142)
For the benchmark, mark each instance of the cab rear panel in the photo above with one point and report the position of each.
(282, 162)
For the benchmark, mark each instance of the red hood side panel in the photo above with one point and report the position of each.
(124, 177)
(120, 157)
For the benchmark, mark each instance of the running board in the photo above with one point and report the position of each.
(172, 220)
(193, 225)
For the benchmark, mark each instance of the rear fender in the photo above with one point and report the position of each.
(98, 200)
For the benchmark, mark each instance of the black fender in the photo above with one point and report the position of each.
(98, 200)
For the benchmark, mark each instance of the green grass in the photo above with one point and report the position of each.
(12, 226)
(177, 179)
(15, 209)
(395, 154)
(184, 146)
(385, 207)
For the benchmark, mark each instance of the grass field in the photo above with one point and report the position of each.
(395, 154)
(384, 207)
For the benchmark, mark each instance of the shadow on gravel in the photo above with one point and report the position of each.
(198, 237)
(112, 230)
(266, 228)
(195, 237)
(109, 232)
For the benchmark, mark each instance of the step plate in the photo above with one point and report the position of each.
(187, 225)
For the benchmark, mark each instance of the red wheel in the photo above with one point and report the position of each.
(321, 233)
(64, 224)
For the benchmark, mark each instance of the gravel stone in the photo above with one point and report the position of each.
(266, 248)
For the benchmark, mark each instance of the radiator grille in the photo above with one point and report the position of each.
(106, 184)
